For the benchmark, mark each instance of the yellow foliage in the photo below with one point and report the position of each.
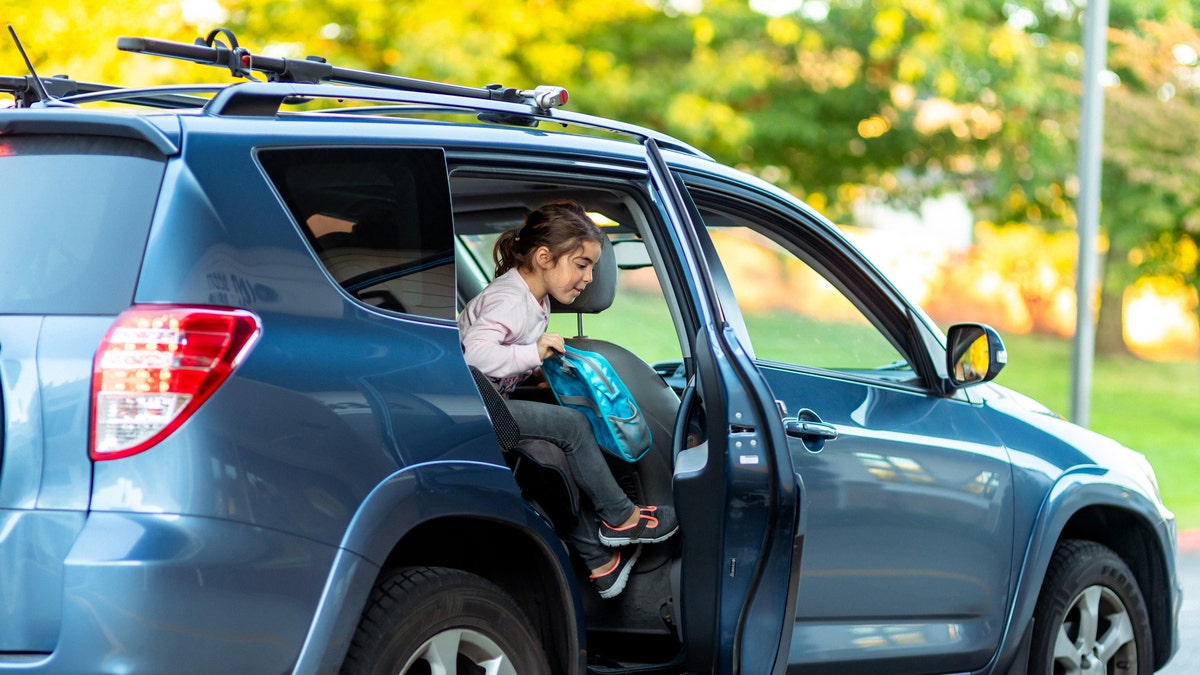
(889, 26)
(911, 68)
(1189, 254)
(930, 12)
(557, 62)
(702, 118)
(703, 31)
(946, 84)
(1160, 318)
(873, 127)
(811, 42)
(1017, 277)
(74, 39)
(824, 71)
(1006, 44)
(783, 31)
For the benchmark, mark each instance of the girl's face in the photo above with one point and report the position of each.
(565, 278)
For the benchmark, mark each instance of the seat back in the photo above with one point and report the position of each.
(658, 402)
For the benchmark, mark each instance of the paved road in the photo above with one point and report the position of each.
(1187, 659)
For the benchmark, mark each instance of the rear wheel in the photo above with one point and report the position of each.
(425, 620)
(1091, 618)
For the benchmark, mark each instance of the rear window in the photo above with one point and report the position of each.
(379, 219)
(76, 211)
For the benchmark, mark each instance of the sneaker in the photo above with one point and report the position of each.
(654, 524)
(611, 583)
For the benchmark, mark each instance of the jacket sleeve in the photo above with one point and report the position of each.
(488, 340)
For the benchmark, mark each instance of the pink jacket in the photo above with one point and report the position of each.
(499, 329)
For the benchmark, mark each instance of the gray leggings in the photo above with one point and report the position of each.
(569, 430)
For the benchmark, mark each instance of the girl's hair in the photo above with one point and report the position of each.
(561, 226)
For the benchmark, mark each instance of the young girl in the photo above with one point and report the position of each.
(504, 335)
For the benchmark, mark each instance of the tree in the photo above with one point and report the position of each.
(835, 100)
(1151, 168)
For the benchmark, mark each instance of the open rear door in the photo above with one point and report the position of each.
(738, 498)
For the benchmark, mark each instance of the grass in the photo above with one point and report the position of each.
(1152, 407)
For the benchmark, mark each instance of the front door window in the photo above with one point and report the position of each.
(793, 312)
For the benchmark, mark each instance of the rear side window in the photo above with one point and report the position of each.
(378, 218)
(76, 212)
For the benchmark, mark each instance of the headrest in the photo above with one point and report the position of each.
(599, 295)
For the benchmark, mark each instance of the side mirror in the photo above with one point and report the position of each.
(975, 353)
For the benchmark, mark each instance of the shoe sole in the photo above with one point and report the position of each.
(614, 541)
(622, 577)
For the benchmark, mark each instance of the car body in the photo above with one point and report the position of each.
(326, 491)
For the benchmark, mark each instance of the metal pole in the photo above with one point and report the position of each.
(1091, 142)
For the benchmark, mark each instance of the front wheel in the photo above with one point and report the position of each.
(1091, 618)
(426, 620)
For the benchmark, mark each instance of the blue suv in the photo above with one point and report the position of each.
(239, 434)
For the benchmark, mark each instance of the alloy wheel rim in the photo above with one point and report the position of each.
(459, 651)
(1096, 636)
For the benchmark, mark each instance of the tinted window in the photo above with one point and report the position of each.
(76, 212)
(379, 219)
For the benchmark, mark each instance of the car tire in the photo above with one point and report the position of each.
(421, 620)
(1091, 616)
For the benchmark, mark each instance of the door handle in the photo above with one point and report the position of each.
(808, 427)
(806, 430)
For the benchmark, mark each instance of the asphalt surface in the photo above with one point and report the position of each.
(1187, 659)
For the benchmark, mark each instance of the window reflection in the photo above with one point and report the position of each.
(897, 469)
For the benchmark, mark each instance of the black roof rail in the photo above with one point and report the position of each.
(25, 90)
(314, 69)
(66, 90)
(263, 99)
(171, 97)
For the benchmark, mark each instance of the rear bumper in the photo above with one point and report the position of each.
(145, 593)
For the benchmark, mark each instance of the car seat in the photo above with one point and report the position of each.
(540, 467)
(658, 401)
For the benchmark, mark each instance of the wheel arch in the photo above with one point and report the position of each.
(519, 562)
(1087, 505)
(1132, 538)
(450, 515)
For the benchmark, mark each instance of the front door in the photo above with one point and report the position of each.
(909, 508)
(736, 491)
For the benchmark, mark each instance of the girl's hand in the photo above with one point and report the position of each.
(550, 344)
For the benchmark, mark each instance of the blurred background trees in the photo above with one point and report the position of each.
(857, 106)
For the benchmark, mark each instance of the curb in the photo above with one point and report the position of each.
(1188, 541)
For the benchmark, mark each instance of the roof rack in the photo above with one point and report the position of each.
(314, 69)
(263, 99)
(299, 80)
(493, 103)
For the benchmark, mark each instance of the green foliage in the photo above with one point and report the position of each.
(892, 99)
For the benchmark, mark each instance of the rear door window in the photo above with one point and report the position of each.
(379, 219)
(76, 215)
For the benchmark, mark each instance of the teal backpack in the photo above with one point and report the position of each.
(587, 382)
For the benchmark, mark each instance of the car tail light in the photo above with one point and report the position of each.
(156, 365)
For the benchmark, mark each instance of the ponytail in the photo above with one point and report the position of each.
(561, 226)
(505, 253)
